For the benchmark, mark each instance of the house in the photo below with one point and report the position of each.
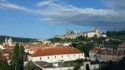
(6, 55)
(57, 54)
(2, 47)
(106, 54)
(121, 46)
(93, 52)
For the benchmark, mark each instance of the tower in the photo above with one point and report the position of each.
(10, 41)
(97, 32)
(69, 31)
(6, 41)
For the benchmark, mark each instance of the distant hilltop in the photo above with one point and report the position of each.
(72, 35)
(16, 39)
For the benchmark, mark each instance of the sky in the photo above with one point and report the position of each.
(43, 19)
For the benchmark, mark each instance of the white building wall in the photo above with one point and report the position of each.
(91, 34)
(92, 54)
(2, 47)
(57, 58)
(104, 57)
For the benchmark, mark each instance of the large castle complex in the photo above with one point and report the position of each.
(72, 35)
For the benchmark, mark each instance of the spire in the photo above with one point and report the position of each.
(68, 31)
(10, 41)
(6, 42)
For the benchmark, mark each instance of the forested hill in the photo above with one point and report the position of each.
(16, 39)
(116, 34)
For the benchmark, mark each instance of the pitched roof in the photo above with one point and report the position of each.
(3, 57)
(55, 51)
(8, 47)
(122, 44)
(96, 50)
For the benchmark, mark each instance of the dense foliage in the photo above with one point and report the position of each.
(30, 66)
(59, 40)
(78, 64)
(4, 65)
(115, 65)
(18, 58)
(116, 34)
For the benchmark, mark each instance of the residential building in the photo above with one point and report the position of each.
(57, 54)
(106, 54)
(122, 46)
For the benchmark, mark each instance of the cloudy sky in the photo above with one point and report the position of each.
(47, 18)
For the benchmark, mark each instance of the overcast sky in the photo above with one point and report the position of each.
(47, 18)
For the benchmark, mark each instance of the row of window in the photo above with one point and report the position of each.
(61, 56)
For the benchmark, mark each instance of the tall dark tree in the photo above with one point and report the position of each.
(18, 58)
(21, 57)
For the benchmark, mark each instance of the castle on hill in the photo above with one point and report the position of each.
(89, 34)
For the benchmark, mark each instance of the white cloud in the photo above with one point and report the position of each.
(46, 3)
(8, 5)
(54, 11)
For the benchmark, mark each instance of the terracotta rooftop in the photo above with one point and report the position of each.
(122, 44)
(55, 51)
(8, 47)
(96, 50)
(3, 57)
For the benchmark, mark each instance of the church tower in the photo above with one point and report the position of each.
(6, 41)
(97, 31)
(10, 41)
(69, 31)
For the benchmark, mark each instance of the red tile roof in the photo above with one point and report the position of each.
(55, 51)
(3, 57)
(122, 44)
(96, 50)
(8, 47)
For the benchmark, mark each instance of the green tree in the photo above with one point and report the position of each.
(4, 65)
(18, 58)
(30, 66)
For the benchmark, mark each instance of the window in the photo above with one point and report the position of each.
(48, 57)
(68, 55)
(62, 56)
(82, 54)
(40, 58)
(55, 56)
(74, 55)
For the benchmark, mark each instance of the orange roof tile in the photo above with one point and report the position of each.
(55, 51)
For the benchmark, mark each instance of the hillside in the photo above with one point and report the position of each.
(16, 39)
(113, 39)
(116, 34)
